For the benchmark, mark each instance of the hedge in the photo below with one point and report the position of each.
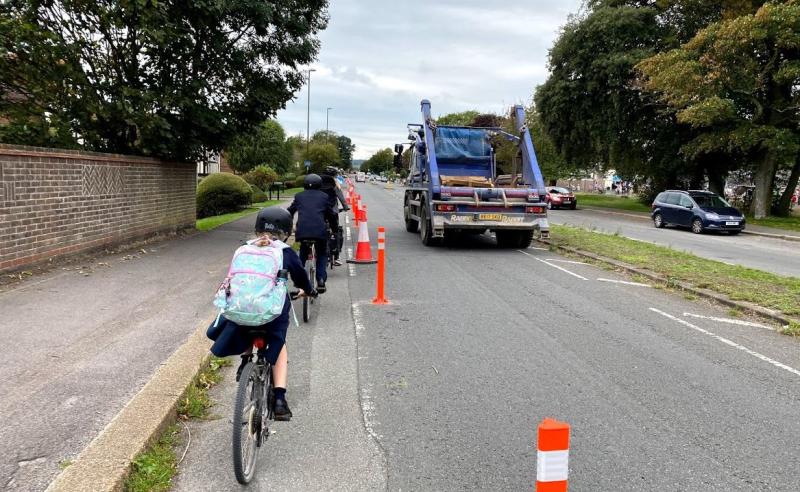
(222, 193)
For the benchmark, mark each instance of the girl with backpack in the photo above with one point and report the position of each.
(254, 294)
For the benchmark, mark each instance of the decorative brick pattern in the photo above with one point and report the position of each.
(55, 202)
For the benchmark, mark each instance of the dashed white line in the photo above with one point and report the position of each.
(729, 342)
(624, 282)
(367, 406)
(538, 249)
(351, 269)
(554, 265)
(730, 321)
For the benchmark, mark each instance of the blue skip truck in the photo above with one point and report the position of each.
(453, 186)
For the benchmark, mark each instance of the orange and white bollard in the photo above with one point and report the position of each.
(363, 249)
(552, 456)
(380, 295)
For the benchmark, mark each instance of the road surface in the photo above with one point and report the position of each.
(763, 253)
(478, 345)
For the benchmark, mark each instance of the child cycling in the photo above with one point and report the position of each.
(314, 212)
(273, 226)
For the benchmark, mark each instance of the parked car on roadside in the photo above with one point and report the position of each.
(558, 197)
(699, 210)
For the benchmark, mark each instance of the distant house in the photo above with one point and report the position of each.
(213, 163)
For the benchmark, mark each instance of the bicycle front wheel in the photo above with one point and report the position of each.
(246, 426)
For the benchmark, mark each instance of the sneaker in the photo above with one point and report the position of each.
(321, 286)
(282, 412)
(245, 360)
(337, 262)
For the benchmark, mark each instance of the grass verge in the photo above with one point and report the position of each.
(786, 223)
(154, 468)
(631, 204)
(208, 223)
(738, 283)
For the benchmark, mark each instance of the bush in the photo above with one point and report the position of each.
(288, 179)
(258, 194)
(262, 176)
(221, 193)
(298, 181)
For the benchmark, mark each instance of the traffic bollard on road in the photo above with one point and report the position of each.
(552, 456)
(380, 296)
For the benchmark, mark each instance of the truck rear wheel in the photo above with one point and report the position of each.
(425, 227)
(514, 239)
(525, 239)
(412, 225)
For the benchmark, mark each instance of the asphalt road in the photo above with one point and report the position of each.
(763, 253)
(78, 346)
(480, 344)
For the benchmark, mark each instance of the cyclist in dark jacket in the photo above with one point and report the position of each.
(314, 213)
(334, 191)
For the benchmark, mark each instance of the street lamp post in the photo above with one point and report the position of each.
(327, 117)
(308, 111)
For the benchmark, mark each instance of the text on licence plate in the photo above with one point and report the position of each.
(490, 217)
(731, 223)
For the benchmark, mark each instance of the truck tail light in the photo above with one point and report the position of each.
(445, 208)
(534, 210)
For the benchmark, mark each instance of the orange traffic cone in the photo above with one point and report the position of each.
(363, 250)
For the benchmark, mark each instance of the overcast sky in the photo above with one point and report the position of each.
(379, 58)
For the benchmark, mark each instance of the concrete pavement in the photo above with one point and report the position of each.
(78, 347)
(763, 253)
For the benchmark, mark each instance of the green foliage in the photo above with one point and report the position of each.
(381, 161)
(298, 182)
(346, 148)
(258, 195)
(322, 155)
(463, 118)
(221, 193)
(262, 176)
(265, 145)
(165, 78)
(152, 471)
(288, 179)
(737, 81)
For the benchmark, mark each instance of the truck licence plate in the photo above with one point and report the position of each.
(731, 223)
(497, 217)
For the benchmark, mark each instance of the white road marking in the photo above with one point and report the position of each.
(346, 219)
(569, 261)
(367, 406)
(553, 265)
(730, 321)
(637, 284)
(729, 342)
(347, 233)
(351, 269)
(538, 249)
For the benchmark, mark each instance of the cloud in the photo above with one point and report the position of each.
(380, 58)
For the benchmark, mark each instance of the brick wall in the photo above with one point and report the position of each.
(55, 202)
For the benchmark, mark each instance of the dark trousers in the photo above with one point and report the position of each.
(321, 249)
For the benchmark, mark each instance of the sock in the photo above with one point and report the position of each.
(280, 393)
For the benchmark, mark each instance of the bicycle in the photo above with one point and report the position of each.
(254, 406)
(252, 410)
(311, 271)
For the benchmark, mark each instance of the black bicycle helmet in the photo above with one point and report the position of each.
(274, 219)
(312, 182)
(331, 171)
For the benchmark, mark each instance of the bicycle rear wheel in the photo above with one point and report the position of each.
(312, 277)
(246, 426)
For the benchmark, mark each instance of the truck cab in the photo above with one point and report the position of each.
(453, 184)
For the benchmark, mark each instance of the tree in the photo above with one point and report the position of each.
(738, 82)
(262, 176)
(381, 161)
(265, 145)
(346, 149)
(463, 118)
(322, 156)
(169, 78)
